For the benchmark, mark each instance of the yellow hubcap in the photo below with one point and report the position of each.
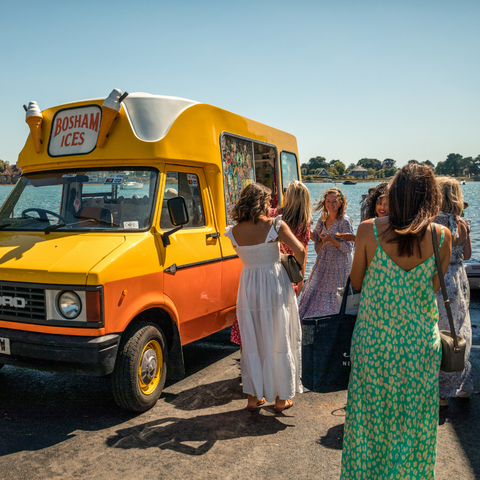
(150, 367)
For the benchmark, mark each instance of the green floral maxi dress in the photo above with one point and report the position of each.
(392, 408)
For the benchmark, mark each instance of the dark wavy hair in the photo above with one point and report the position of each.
(414, 201)
(371, 200)
(252, 203)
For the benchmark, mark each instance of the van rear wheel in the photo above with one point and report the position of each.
(141, 368)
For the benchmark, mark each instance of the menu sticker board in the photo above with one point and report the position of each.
(74, 131)
(238, 169)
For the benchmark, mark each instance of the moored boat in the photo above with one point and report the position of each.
(131, 186)
(349, 182)
(472, 268)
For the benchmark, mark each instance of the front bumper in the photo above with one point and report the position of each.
(61, 353)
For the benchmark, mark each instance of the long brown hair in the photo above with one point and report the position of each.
(414, 202)
(297, 209)
(253, 202)
(320, 206)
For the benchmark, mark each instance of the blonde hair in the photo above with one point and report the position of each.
(452, 196)
(297, 208)
(320, 206)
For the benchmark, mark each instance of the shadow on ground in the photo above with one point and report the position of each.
(41, 409)
(204, 430)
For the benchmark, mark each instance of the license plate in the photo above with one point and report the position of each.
(4, 346)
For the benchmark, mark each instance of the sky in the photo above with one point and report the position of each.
(350, 79)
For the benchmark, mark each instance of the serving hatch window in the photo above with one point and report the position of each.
(289, 168)
(245, 161)
(81, 200)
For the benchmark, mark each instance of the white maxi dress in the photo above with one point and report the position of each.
(269, 323)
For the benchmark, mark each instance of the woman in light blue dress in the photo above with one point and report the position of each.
(334, 257)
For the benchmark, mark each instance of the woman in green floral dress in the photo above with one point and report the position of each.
(392, 408)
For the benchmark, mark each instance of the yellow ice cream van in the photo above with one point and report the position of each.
(112, 254)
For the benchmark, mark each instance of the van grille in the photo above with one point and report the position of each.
(34, 298)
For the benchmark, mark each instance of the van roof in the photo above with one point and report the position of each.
(148, 127)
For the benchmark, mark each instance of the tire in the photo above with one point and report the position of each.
(134, 389)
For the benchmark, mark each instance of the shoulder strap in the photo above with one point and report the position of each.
(446, 301)
(375, 230)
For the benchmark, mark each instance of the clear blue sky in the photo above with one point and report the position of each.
(349, 78)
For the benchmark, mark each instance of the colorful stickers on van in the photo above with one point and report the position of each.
(238, 169)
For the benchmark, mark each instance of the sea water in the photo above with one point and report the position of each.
(353, 193)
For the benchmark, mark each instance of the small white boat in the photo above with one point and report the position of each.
(472, 267)
(463, 182)
(131, 186)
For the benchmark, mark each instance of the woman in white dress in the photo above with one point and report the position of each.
(266, 304)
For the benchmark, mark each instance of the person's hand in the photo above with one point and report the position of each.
(326, 237)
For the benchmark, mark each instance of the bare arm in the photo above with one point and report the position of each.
(289, 239)
(360, 262)
(467, 249)
(445, 253)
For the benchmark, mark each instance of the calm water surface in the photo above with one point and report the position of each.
(471, 193)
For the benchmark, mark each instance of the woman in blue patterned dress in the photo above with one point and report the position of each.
(334, 257)
(456, 384)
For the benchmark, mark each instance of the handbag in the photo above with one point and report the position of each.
(453, 345)
(292, 267)
(353, 300)
(326, 350)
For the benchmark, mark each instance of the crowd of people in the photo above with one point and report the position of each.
(395, 385)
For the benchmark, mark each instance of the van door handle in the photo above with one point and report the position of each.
(213, 235)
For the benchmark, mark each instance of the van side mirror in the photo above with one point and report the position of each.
(177, 209)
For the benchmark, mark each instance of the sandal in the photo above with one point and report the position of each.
(259, 403)
(288, 404)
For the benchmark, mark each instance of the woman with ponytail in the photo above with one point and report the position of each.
(392, 408)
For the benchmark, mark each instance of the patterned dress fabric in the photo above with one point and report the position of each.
(330, 271)
(235, 332)
(458, 290)
(392, 407)
(269, 324)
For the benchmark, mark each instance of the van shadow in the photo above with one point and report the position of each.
(41, 409)
(175, 433)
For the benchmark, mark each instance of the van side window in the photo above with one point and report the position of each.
(185, 185)
(289, 168)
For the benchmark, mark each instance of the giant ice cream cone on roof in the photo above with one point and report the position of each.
(34, 119)
(110, 111)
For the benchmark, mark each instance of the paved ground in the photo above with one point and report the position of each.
(66, 427)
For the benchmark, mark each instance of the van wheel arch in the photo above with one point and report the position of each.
(175, 365)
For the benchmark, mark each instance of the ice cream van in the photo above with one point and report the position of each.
(112, 254)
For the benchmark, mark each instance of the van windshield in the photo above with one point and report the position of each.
(81, 200)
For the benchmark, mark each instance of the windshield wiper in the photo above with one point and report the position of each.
(5, 225)
(52, 228)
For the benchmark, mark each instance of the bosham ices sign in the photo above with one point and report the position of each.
(75, 131)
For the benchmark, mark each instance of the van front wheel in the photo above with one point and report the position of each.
(141, 367)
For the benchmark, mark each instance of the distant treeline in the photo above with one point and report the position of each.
(455, 164)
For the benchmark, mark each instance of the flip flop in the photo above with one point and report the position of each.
(258, 404)
(288, 404)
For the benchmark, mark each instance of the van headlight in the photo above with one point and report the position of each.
(69, 304)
